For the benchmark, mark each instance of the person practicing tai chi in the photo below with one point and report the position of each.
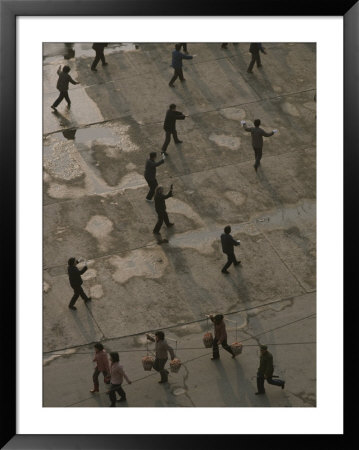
(255, 48)
(228, 242)
(177, 57)
(257, 140)
(150, 174)
(99, 48)
(160, 206)
(63, 87)
(169, 126)
(76, 282)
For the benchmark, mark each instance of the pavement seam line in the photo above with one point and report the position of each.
(289, 152)
(283, 261)
(82, 126)
(181, 324)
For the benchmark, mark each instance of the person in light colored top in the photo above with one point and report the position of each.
(102, 365)
(161, 348)
(117, 376)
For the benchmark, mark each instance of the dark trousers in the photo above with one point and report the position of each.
(216, 348)
(177, 73)
(168, 139)
(260, 382)
(162, 217)
(159, 365)
(258, 156)
(78, 291)
(63, 95)
(152, 184)
(99, 55)
(112, 392)
(256, 58)
(231, 259)
(95, 376)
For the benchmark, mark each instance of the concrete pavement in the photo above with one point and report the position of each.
(94, 206)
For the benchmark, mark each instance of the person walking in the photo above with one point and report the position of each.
(257, 140)
(177, 58)
(228, 242)
(265, 371)
(63, 86)
(160, 207)
(117, 376)
(220, 336)
(99, 48)
(150, 174)
(169, 125)
(102, 365)
(255, 48)
(161, 348)
(76, 282)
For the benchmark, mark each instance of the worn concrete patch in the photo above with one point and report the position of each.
(174, 205)
(222, 140)
(233, 113)
(96, 291)
(60, 161)
(148, 263)
(100, 227)
(291, 109)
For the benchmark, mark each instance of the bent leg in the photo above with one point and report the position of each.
(167, 141)
(59, 99)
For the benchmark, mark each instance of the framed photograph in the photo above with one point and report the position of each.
(170, 210)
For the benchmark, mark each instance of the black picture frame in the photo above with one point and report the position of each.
(9, 10)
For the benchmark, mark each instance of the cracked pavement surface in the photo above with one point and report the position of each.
(94, 207)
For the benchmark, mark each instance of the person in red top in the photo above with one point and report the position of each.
(220, 336)
(102, 365)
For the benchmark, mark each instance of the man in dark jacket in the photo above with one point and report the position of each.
(63, 86)
(169, 126)
(177, 57)
(76, 282)
(99, 48)
(265, 371)
(255, 48)
(150, 174)
(160, 206)
(257, 140)
(227, 247)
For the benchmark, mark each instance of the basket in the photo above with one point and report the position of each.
(175, 365)
(237, 348)
(208, 340)
(147, 362)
